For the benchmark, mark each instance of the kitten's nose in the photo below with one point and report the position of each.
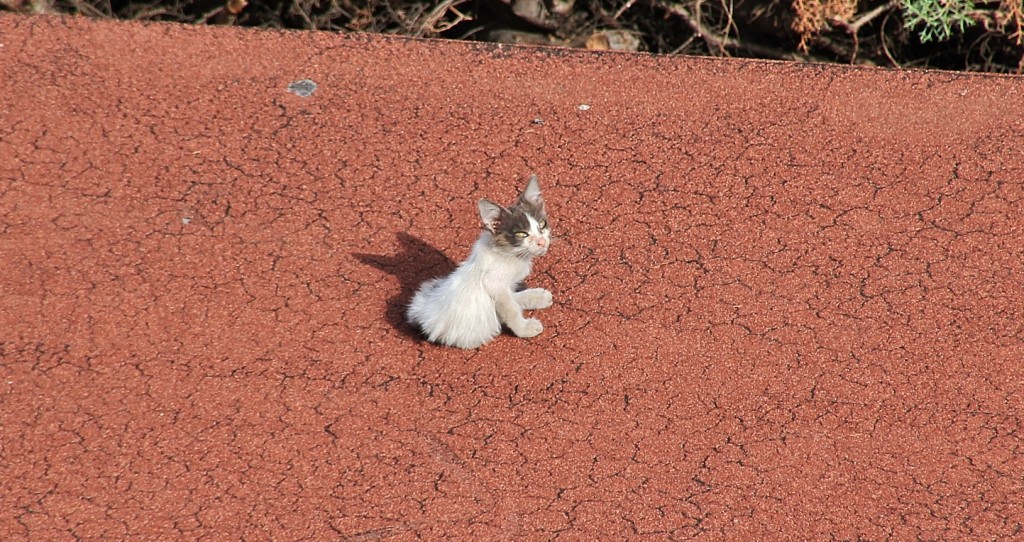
(542, 242)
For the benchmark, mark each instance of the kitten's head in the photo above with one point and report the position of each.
(521, 229)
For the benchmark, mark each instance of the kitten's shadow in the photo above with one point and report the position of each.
(415, 262)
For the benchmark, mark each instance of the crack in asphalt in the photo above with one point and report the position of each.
(779, 307)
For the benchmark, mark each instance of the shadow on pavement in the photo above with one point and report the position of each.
(415, 262)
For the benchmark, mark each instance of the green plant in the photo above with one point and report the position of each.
(937, 18)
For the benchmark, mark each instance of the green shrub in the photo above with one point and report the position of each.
(937, 18)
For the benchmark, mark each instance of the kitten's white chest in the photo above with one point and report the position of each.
(497, 268)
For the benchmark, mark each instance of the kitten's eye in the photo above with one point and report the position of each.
(543, 224)
(522, 234)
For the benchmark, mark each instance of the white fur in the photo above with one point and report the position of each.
(468, 307)
(458, 310)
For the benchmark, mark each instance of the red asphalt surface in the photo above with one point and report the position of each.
(789, 299)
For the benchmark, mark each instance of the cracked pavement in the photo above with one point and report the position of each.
(789, 299)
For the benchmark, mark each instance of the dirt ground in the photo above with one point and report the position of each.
(788, 298)
(989, 36)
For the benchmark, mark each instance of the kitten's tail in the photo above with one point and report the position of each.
(418, 304)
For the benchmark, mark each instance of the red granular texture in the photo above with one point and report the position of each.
(788, 297)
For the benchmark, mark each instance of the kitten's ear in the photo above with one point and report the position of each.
(531, 194)
(490, 214)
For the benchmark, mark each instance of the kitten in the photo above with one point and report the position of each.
(468, 307)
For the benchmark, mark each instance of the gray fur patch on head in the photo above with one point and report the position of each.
(513, 220)
(510, 227)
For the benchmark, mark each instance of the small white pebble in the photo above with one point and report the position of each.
(583, 107)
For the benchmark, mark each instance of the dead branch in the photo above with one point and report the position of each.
(430, 21)
(855, 26)
(722, 43)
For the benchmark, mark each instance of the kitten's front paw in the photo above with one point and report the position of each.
(534, 298)
(531, 327)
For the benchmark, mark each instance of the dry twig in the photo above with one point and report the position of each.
(721, 43)
(625, 7)
(430, 21)
(871, 15)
